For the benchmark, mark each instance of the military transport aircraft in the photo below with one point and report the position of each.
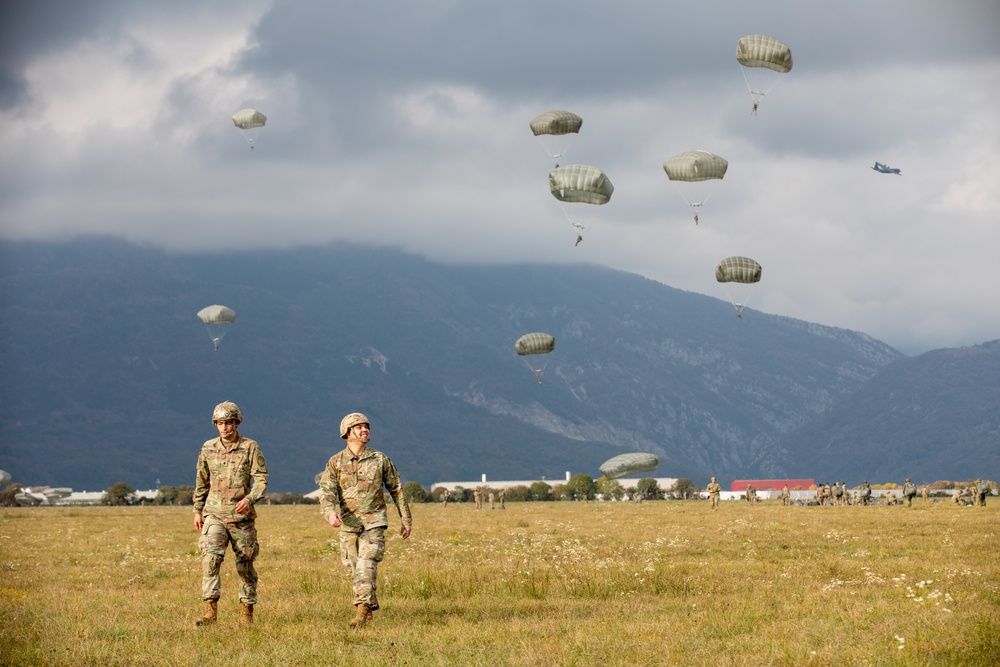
(885, 169)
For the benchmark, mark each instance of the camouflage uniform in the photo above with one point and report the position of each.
(352, 486)
(714, 488)
(224, 475)
(785, 495)
(909, 490)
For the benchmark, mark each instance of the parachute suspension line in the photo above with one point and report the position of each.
(537, 371)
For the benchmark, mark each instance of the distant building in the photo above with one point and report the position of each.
(776, 484)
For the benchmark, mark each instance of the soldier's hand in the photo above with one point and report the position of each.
(197, 522)
(334, 519)
(243, 506)
(405, 531)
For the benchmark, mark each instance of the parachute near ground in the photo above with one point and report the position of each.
(763, 60)
(734, 272)
(580, 184)
(695, 175)
(217, 320)
(555, 130)
(535, 343)
(5, 478)
(627, 464)
(249, 122)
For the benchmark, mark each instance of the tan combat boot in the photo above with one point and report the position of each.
(246, 616)
(361, 618)
(211, 613)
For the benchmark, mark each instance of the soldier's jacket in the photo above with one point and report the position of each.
(352, 486)
(909, 490)
(225, 472)
(713, 488)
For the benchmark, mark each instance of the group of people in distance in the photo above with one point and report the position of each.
(839, 495)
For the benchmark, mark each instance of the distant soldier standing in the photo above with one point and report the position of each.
(838, 494)
(866, 492)
(785, 495)
(503, 499)
(982, 490)
(714, 488)
(479, 498)
(909, 490)
(492, 501)
(231, 479)
(352, 500)
(445, 495)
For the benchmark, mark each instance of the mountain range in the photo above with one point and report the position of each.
(109, 376)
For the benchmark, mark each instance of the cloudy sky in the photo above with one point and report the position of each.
(406, 124)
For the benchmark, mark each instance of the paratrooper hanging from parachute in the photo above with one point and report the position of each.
(249, 122)
(555, 130)
(535, 343)
(762, 59)
(580, 184)
(695, 175)
(217, 320)
(738, 271)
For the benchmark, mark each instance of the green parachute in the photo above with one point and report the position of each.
(555, 130)
(627, 464)
(249, 122)
(695, 175)
(217, 320)
(763, 60)
(580, 184)
(535, 343)
(736, 274)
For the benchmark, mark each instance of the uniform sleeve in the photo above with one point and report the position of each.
(329, 487)
(202, 483)
(395, 486)
(258, 470)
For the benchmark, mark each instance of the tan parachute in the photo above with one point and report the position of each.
(735, 273)
(535, 343)
(763, 60)
(580, 184)
(695, 175)
(249, 122)
(627, 464)
(217, 320)
(555, 130)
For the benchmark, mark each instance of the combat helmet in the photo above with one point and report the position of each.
(350, 421)
(227, 410)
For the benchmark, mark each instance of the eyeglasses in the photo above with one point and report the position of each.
(225, 422)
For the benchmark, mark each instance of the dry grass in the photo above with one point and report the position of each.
(662, 583)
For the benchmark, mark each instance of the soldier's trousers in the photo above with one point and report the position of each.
(215, 536)
(361, 554)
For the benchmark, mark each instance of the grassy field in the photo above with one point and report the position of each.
(661, 583)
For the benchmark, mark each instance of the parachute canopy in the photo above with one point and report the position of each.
(556, 122)
(694, 166)
(764, 51)
(217, 315)
(626, 464)
(216, 320)
(249, 122)
(580, 183)
(535, 343)
(763, 59)
(737, 270)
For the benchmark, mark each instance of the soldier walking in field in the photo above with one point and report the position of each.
(786, 495)
(492, 501)
(479, 498)
(909, 490)
(714, 488)
(503, 499)
(231, 479)
(352, 500)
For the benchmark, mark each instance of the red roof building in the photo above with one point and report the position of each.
(776, 484)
